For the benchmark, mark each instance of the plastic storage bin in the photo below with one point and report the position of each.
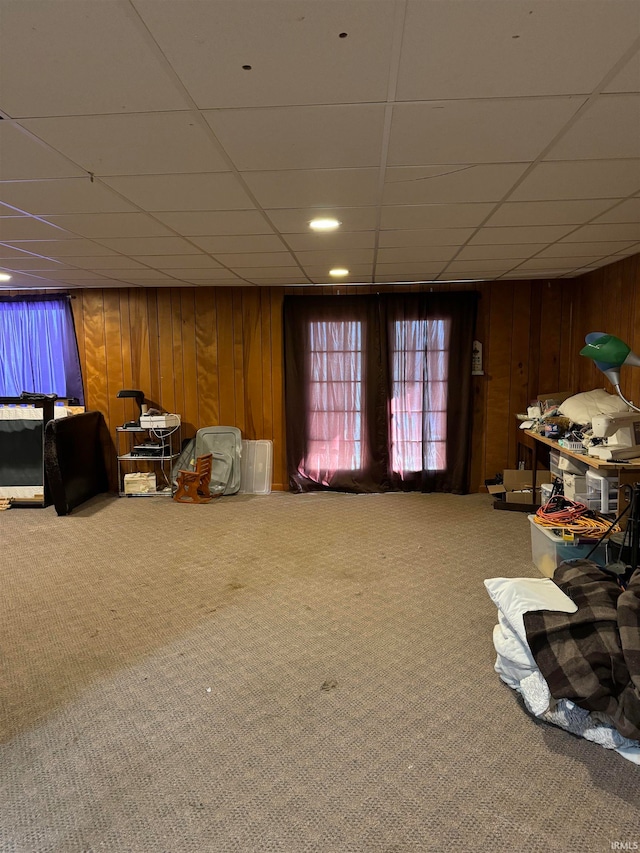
(602, 492)
(256, 465)
(545, 492)
(554, 463)
(574, 485)
(571, 466)
(549, 549)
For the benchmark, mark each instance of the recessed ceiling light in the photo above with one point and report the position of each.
(4, 276)
(324, 224)
(338, 272)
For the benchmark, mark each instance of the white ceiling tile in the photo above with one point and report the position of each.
(426, 237)
(506, 48)
(169, 262)
(239, 243)
(212, 191)
(628, 79)
(62, 248)
(582, 179)
(100, 225)
(528, 275)
(548, 212)
(294, 50)
(419, 271)
(106, 264)
(480, 100)
(266, 273)
(257, 259)
(335, 240)
(65, 274)
(9, 251)
(510, 251)
(149, 246)
(322, 137)
(25, 158)
(296, 221)
(139, 275)
(202, 223)
(628, 211)
(550, 263)
(434, 215)
(606, 232)
(446, 184)
(520, 234)
(98, 44)
(337, 258)
(567, 250)
(64, 195)
(132, 144)
(490, 265)
(28, 228)
(230, 281)
(31, 262)
(415, 254)
(315, 188)
(609, 128)
(465, 131)
(194, 274)
(633, 249)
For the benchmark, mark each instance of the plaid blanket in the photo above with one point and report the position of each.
(592, 656)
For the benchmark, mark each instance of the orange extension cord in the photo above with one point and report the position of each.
(573, 517)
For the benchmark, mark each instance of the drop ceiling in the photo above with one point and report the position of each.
(190, 142)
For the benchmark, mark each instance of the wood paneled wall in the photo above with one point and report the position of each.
(215, 355)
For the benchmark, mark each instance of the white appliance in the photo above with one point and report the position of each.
(621, 434)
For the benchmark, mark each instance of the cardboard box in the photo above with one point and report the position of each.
(139, 483)
(517, 486)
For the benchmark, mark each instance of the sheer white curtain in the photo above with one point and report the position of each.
(418, 429)
(335, 401)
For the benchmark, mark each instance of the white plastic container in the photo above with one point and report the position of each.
(548, 549)
(554, 463)
(545, 492)
(602, 492)
(256, 467)
(571, 466)
(574, 484)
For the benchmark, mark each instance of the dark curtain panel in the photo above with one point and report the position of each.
(335, 392)
(430, 343)
(378, 391)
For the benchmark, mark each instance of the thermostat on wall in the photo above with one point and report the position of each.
(159, 421)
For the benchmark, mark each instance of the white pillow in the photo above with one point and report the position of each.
(515, 596)
(582, 408)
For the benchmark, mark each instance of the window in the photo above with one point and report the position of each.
(378, 391)
(419, 396)
(38, 347)
(335, 399)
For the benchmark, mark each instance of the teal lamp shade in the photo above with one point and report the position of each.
(609, 354)
(605, 350)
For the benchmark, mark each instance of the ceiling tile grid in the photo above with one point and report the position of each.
(190, 143)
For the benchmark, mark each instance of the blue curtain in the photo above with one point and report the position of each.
(38, 347)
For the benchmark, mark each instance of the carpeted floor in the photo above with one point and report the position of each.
(296, 673)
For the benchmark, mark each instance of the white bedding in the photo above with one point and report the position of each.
(516, 665)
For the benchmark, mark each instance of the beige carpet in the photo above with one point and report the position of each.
(279, 673)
